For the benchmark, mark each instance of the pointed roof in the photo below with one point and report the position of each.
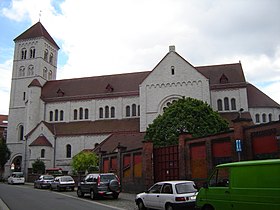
(35, 83)
(37, 30)
(41, 141)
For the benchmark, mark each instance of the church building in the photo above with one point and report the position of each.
(53, 120)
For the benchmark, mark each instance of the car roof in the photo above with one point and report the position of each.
(175, 182)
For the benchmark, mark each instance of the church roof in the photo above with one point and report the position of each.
(94, 87)
(41, 141)
(37, 30)
(258, 99)
(35, 83)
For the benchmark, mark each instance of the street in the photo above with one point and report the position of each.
(18, 197)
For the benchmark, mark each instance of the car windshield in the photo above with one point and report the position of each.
(185, 188)
(66, 179)
(48, 177)
(107, 177)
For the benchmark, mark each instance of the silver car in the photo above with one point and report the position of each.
(63, 183)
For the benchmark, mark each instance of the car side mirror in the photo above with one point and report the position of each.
(205, 185)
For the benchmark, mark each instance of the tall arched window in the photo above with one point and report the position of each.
(68, 151)
(21, 133)
(138, 110)
(50, 75)
(86, 113)
(220, 105)
(100, 112)
(269, 117)
(112, 112)
(32, 52)
(233, 104)
(106, 111)
(61, 115)
(43, 153)
(30, 70)
(75, 114)
(257, 118)
(51, 116)
(127, 111)
(226, 102)
(22, 71)
(264, 118)
(56, 115)
(45, 72)
(51, 58)
(133, 109)
(46, 52)
(23, 53)
(81, 113)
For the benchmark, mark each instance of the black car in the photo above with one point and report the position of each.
(43, 181)
(100, 185)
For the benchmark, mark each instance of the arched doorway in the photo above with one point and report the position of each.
(16, 164)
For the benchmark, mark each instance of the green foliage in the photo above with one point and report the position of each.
(4, 154)
(85, 161)
(185, 115)
(38, 166)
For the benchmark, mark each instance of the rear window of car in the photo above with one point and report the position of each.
(66, 179)
(17, 175)
(107, 177)
(48, 177)
(185, 188)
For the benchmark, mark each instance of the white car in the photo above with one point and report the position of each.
(16, 178)
(62, 183)
(168, 195)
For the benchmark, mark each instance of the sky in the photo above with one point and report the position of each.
(101, 37)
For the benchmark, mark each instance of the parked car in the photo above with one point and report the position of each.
(105, 184)
(168, 195)
(242, 185)
(44, 181)
(62, 183)
(16, 178)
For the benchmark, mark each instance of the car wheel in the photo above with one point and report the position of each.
(58, 189)
(141, 205)
(92, 195)
(168, 207)
(80, 194)
(51, 188)
(114, 185)
(207, 207)
(34, 185)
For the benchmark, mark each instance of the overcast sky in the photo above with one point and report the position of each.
(118, 36)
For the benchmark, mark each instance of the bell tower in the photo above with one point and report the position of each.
(35, 59)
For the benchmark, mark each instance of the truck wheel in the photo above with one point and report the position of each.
(92, 195)
(80, 193)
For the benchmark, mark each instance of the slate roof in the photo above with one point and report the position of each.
(41, 141)
(37, 30)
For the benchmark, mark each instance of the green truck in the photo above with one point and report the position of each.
(242, 185)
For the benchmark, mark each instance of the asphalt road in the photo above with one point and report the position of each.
(18, 197)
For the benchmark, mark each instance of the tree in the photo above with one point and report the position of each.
(38, 166)
(185, 115)
(85, 161)
(5, 154)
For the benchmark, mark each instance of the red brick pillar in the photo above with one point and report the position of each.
(147, 164)
(183, 155)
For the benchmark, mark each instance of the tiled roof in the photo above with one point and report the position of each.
(232, 73)
(94, 87)
(35, 83)
(129, 140)
(41, 141)
(257, 99)
(37, 30)
(94, 127)
(230, 116)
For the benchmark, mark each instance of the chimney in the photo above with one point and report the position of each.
(172, 48)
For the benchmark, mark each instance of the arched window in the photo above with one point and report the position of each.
(106, 111)
(56, 115)
(51, 116)
(112, 112)
(86, 113)
(68, 151)
(45, 72)
(32, 52)
(75, 114)
(226, 102)
(43, 153)
(264, 118)
(51, 58)
(50, 75)
(22, 71)
(138, 110)
(133, 109)
(21, 133)
(100, 112)
(172, 70)
(127, 111)
(61, 115)
(269, 117)
(81, 113)
(30, 70)
(220, 105)
(233, 104)
(257, 118)
(23, 53)
(46, 52)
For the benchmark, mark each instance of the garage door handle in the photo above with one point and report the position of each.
(227, 192)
